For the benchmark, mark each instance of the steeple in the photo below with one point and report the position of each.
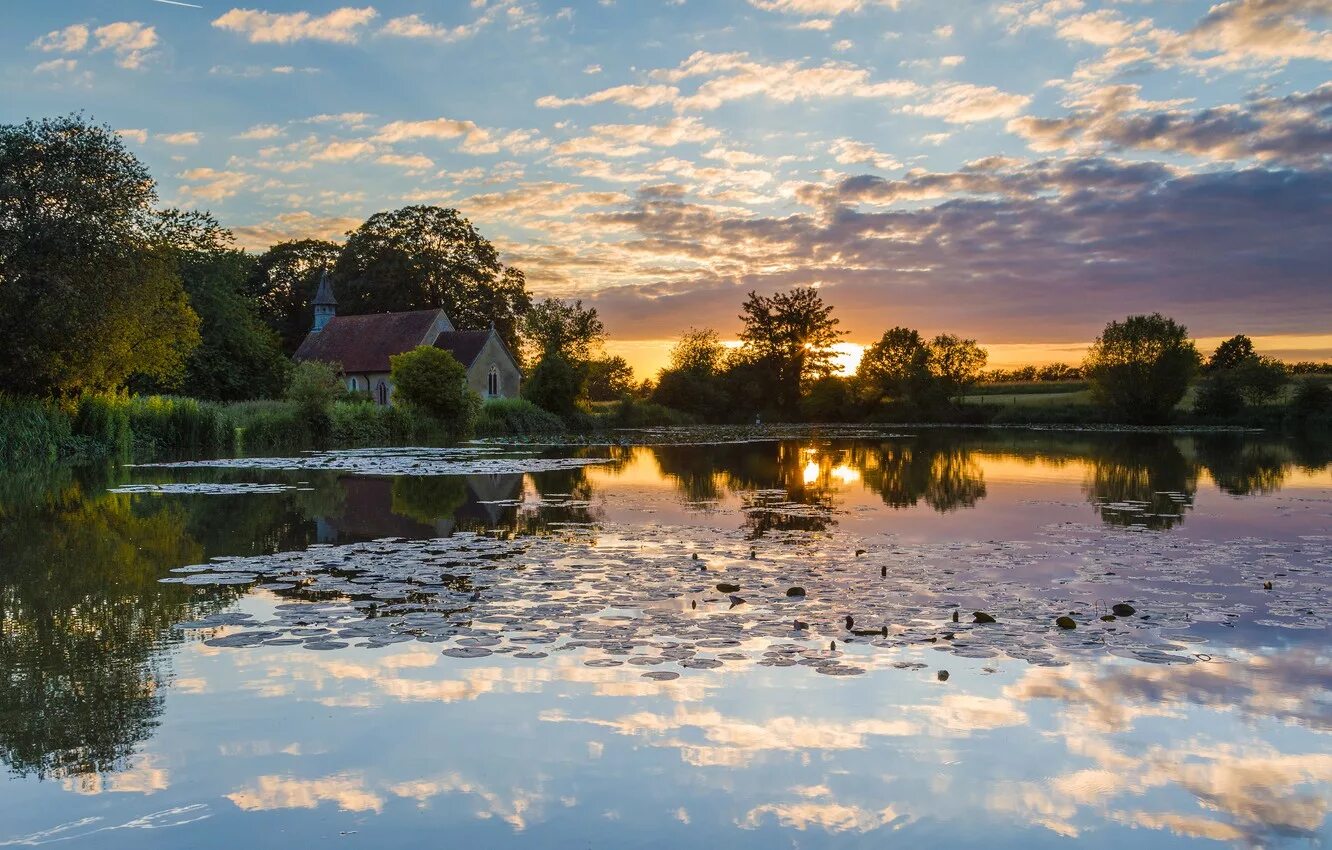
(325, 305)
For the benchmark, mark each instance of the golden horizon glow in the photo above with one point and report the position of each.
(647, 357)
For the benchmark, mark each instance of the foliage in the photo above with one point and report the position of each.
(515, 417)
(1231, 353)
(634, 413)
(789, 337)
(570, 330)
(1311, 404)
(88, 296)
(239, 357)
(432, 381)
(32, 431)
(555, 385)
(956, 364)
(830, 399)
(1140, 368)
(175, 424)
(897, 367)
(313, 388)
(282, 281)
(698, 350)
(607, 378)
(425, 257)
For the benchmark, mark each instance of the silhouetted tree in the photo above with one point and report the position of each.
(790, 335)
(1140, 368)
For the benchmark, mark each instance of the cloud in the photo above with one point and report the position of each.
(187, 137)
(71, 39)
(850, 152)
(411, 163)
(475, 139)
(261, 132)
(624, 140)
(294, 225)
(816, 8)
(1293, 130)
(734, 76)
(212, 185)
(342, 151)
(56, 66)
(134, 135)
(341, 26)
(637, 96)
(414, 26)
(129, 40)
(268, 793)
(964, 103)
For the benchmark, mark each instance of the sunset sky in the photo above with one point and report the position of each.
(1019, 171)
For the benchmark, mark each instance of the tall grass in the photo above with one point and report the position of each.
(32, 431)
(515, 417)
(171, 424)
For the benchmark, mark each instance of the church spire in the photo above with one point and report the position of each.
(325, 305)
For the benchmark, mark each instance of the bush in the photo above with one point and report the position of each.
(1311, 405)
(312, 389)
(516, 417)
(632, 413)
(829, 399)
(432, 382)
(555, 385)
(1219, 397)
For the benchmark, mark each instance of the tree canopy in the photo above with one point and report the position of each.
(570, 330)
(426, 257)
(89, 295)
(789, 336)
(1140, 368)
(283, 281)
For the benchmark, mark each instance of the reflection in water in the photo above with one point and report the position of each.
(1230, 748)
(84, 622)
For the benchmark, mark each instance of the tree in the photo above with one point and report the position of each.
(692, 382)
(608, 378)
(829, 399)
(698, 350)
(572, 331)
(425, 257)
(897, 366)
(554, 385)
(88, 297)
(283, 281)
(431, 380)
(956, 363)
(1140, 368)
(790, 335)
(1231, 353)
(238, 357)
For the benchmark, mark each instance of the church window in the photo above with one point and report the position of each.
(492, 382)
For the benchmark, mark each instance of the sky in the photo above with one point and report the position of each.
(1015, 171)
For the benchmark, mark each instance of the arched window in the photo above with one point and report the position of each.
(492, 382)
(382, 392)
(351, 384)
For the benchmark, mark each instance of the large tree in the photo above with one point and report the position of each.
(238, 357)
(790, 335)
(1140, 368)
(283, 281)
(570, 330)
(956, 363)
(896, 367)
(423, 257)
(88, 294)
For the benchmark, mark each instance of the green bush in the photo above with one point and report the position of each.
(515, 417)
(313, 389)
(433, 383)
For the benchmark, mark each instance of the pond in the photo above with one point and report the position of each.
(822, 638)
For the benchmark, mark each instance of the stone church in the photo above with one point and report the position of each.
(362, 345)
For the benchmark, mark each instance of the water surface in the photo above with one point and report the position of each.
(601, 646)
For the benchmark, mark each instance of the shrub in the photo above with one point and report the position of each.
(1218, 397)
(312, 389)
(829, 399)
(516, 417)
(632, 413)
(555, 385)
(431, 381)
(1311, 404)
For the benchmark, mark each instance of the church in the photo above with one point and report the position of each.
(362, 345)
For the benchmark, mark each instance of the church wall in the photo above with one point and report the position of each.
(478, 374)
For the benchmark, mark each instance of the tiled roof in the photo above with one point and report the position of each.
(464, 345)
(364, 344)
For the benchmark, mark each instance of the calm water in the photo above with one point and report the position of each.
(603, 647)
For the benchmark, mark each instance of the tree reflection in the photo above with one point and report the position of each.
(938, 469)
(1243, 467)
(1140, 479)
(85, 623)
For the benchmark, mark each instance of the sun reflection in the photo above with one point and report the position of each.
(846, 474)
(811, 474)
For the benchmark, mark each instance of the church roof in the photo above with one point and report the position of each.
(363, 344)
(324, 296)
(464, 345)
